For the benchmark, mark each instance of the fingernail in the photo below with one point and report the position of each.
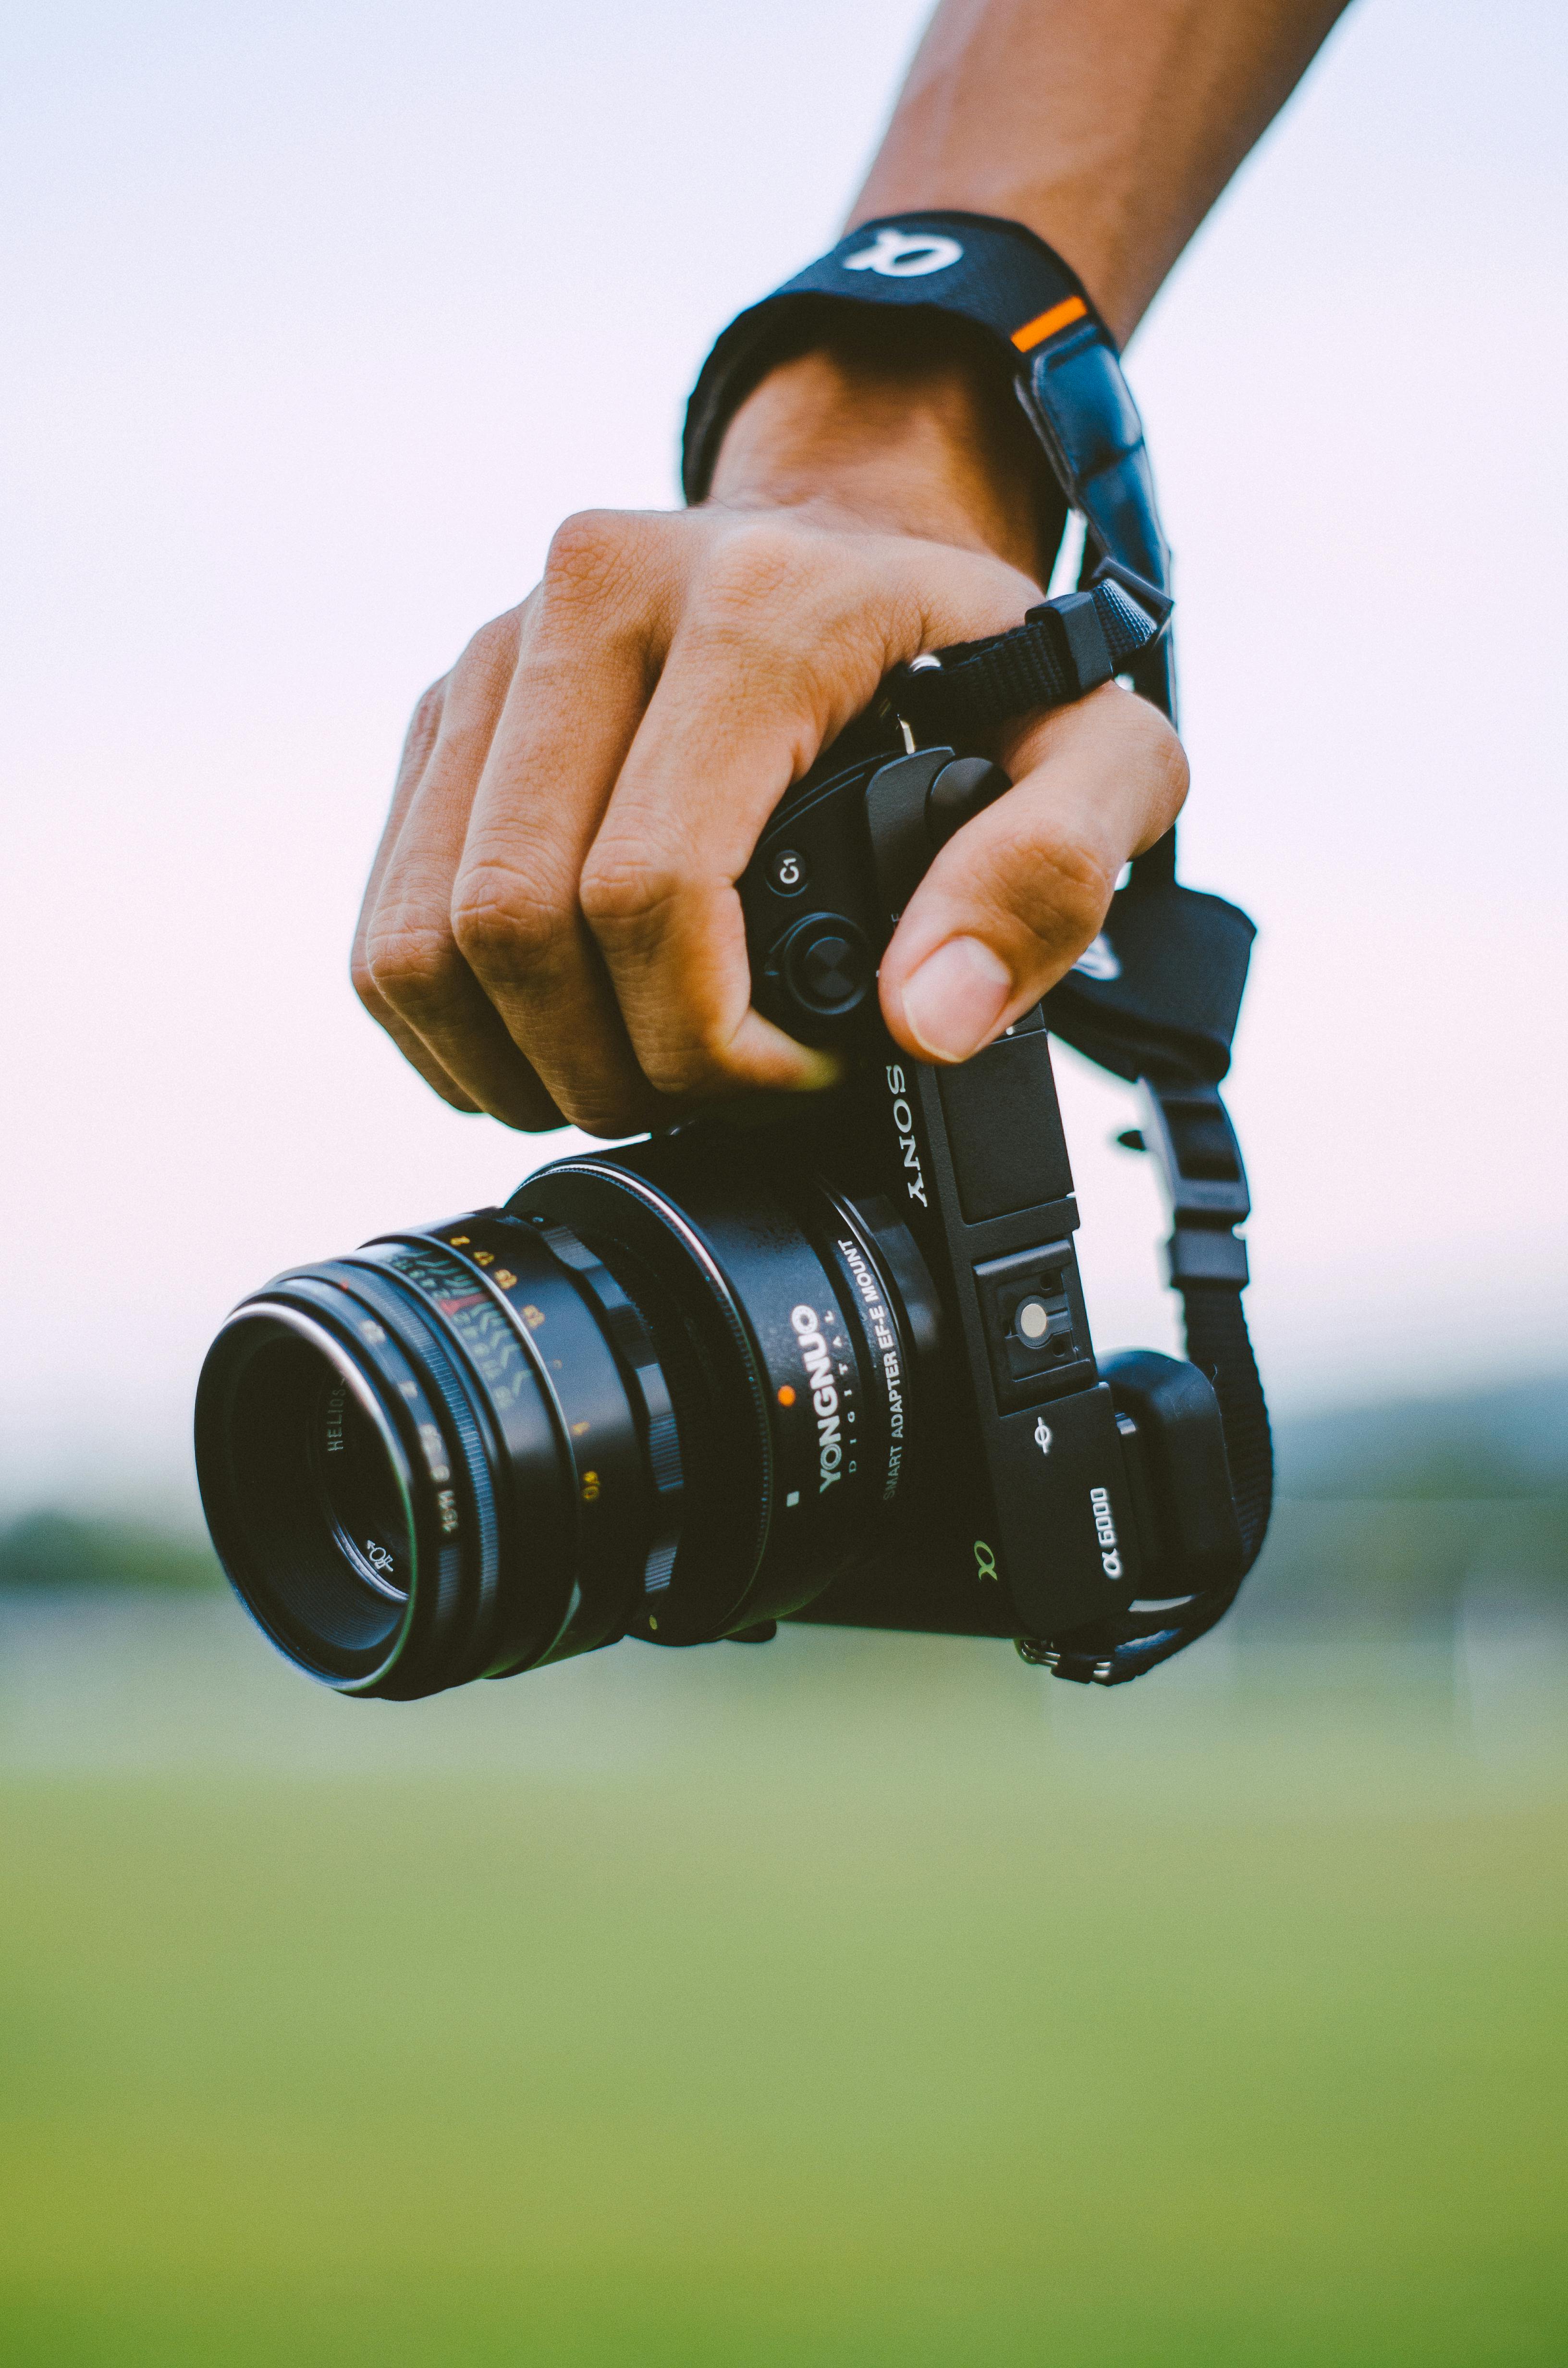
(955, 1001)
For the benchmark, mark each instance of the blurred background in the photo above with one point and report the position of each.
(853, 2001)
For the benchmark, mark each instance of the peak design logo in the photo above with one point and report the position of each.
(1098, 961)
(906, 254)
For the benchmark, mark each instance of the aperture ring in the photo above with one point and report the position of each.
(630, 1350)
(487, 1241)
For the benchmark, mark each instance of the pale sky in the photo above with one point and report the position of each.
(319, 318)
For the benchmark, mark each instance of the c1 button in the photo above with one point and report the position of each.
(827, 965)
(788, 871)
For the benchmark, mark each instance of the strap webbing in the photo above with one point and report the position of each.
(1219, 1344)
(1164, 1011)
(1063, 649)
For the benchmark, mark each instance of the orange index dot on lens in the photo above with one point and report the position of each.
(785, 1396)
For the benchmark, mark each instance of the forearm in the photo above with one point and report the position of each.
(1109, 127)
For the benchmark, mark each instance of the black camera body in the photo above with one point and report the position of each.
(1082, 1491)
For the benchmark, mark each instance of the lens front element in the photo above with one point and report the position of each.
(362, 1495)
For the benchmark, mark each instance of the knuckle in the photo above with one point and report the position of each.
(586, 550)
(680, 1070)
(490, 656)
(1066, 891)
(605, 585)
(411, 966)
(504, 924)
(362, 979)
(696, 1053)
(602, 1110)
(624, 886)
(1155, 747)
(1171, 763)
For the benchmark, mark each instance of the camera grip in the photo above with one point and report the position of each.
(833, 871)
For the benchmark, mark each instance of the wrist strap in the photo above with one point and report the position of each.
(1041, 323)
(995, 274)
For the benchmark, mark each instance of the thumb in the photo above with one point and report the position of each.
(1013, 900)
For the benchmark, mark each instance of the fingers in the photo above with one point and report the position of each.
(1014, 899)
(591, 645)
(774, 653)
(408, 967)
(552, 929)
(420, 739)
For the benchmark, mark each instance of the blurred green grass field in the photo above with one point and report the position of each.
(842, 2001)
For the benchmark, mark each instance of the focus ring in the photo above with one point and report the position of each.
(593, 1415)
(394, 1297)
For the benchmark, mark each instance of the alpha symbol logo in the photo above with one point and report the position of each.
(906, 254)
(1104, 1531)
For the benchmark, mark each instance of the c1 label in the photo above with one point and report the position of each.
(788, 871)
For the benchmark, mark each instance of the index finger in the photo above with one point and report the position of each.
(760, 676)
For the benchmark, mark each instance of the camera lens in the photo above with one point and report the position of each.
(361, 1489)
(318, 1496)
(659, 1394)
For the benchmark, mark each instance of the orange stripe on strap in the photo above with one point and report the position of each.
(1045, 324)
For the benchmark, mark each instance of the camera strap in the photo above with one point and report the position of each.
(1157, 998)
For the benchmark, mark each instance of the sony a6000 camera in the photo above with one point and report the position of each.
(835, 1366)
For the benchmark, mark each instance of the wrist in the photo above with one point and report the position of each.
(895, 440)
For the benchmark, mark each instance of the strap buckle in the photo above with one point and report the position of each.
(1187, 1129)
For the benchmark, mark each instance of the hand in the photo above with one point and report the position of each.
(552, 930)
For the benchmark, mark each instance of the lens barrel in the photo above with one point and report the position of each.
(656, 1396)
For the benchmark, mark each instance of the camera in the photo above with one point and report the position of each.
(828, 1363)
